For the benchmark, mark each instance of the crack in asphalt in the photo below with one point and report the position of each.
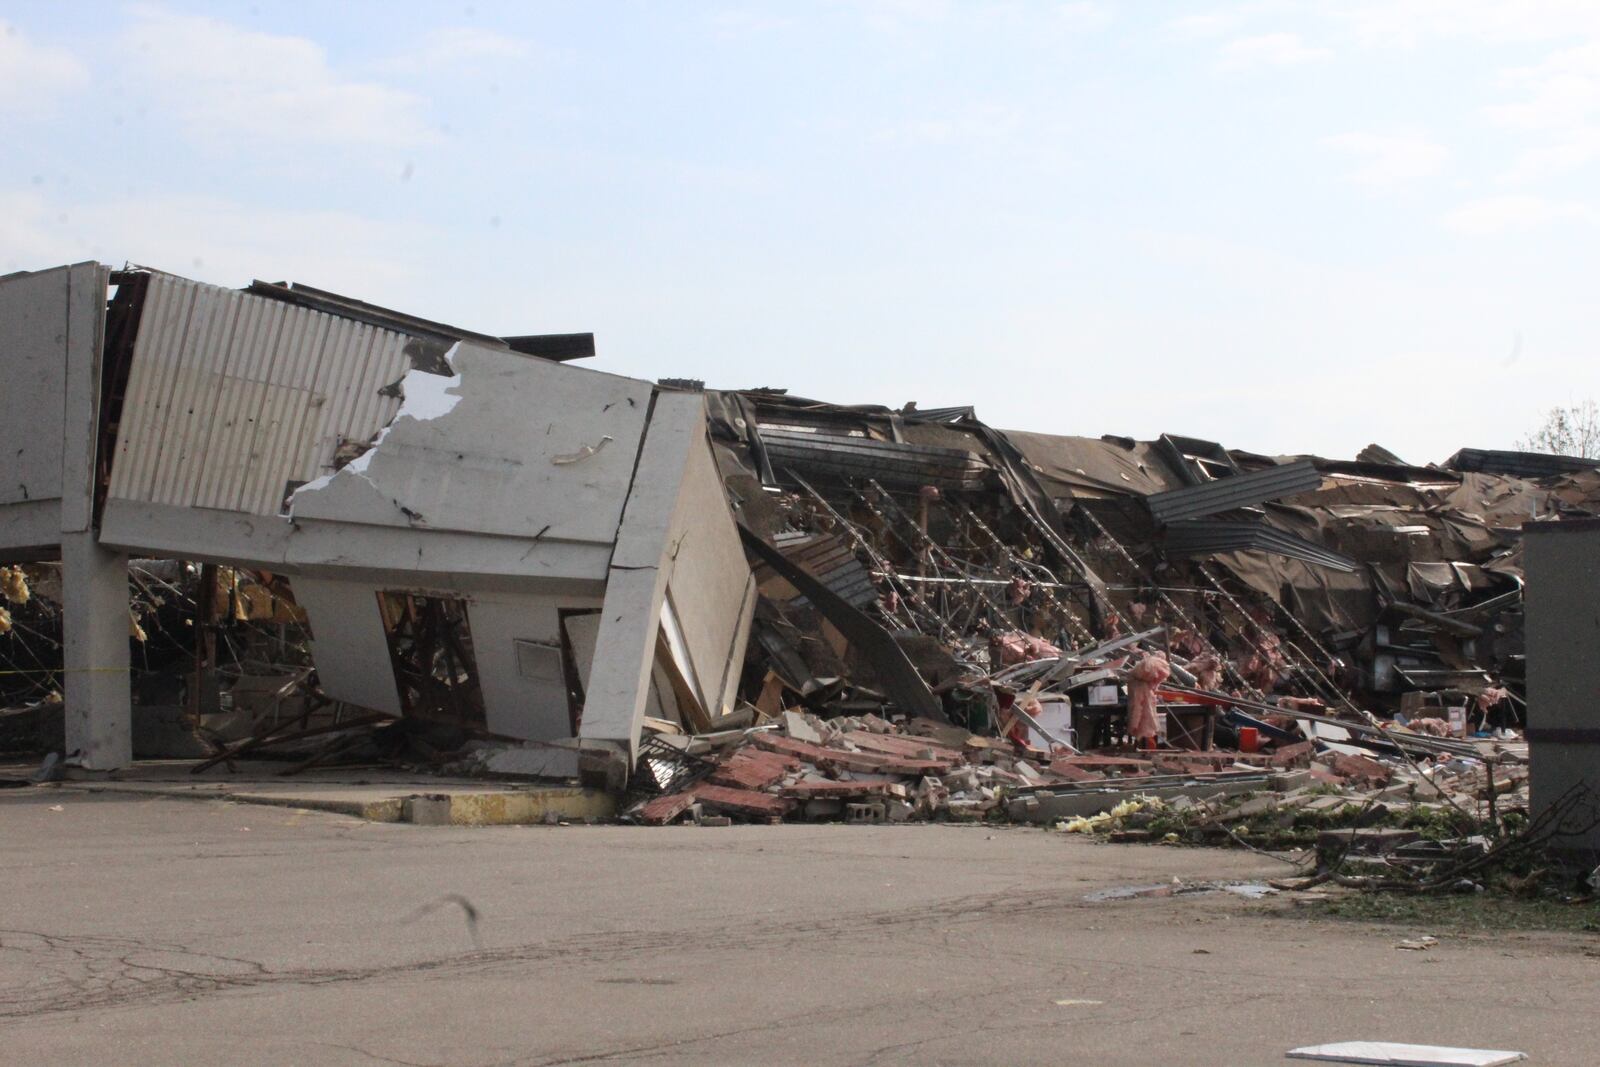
(74, 973)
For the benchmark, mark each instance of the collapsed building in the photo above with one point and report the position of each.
(394, 471)
(647, 584)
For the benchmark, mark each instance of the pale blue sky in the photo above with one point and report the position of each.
(1286, 226)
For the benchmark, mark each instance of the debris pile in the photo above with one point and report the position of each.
(854, 768)
(865, 769)
(1056, 626)
(1371, 583)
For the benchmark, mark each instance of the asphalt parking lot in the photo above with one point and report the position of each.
(153, 931)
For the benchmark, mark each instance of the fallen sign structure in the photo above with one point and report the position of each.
(751, 603)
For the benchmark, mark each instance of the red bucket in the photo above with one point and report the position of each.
(1249, 739)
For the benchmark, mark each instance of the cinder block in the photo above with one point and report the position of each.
(1290, 780)
(862, 814)
(431, 810)
(823, 808)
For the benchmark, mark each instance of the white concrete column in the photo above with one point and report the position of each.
(94, 580)
(94, 584)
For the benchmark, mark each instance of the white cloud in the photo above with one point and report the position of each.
(466, 44)
(1407, 23)
(224, 82)
(1555, 103)
(1516, 213)
(740, 22)
(1269, 50)
(1206, 25)
(965, 126)
(1083, 15)
(1563, 91)
(453, 49)
(1572, 151)
(895, 15)
(31, 72)
(213, 240)
(1560, 103)
(907, 17)
(1389, 160)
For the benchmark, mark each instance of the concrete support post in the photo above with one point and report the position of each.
(99, 713)
(94, 580)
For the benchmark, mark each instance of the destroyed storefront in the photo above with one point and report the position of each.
(736, 603)
(470, 532)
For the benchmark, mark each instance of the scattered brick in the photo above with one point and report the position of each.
(1360, 769)
(1296, 755)
(1107, 763)
(906, 747)
(788, 746)
(751, 768)
(869, 762)
(1189, 762)
(742, 801)
(814, 789)
(1073, 773)
(663, 810)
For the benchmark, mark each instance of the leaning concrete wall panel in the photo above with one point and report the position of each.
(347, 642)
(509, 446)
(516, 641)
(711, 589)
(630, 622)
(677, 517)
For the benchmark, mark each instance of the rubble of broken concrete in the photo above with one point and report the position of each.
(865, 769)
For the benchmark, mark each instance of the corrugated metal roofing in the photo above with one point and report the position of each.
(1517, 464)
(1402, 474)
(863, 457)
(1378, 454)
(231, 397)
(1235, 491)
(831, 561)
(1198, 538)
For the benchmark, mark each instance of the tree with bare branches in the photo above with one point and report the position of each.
(1567, 431)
